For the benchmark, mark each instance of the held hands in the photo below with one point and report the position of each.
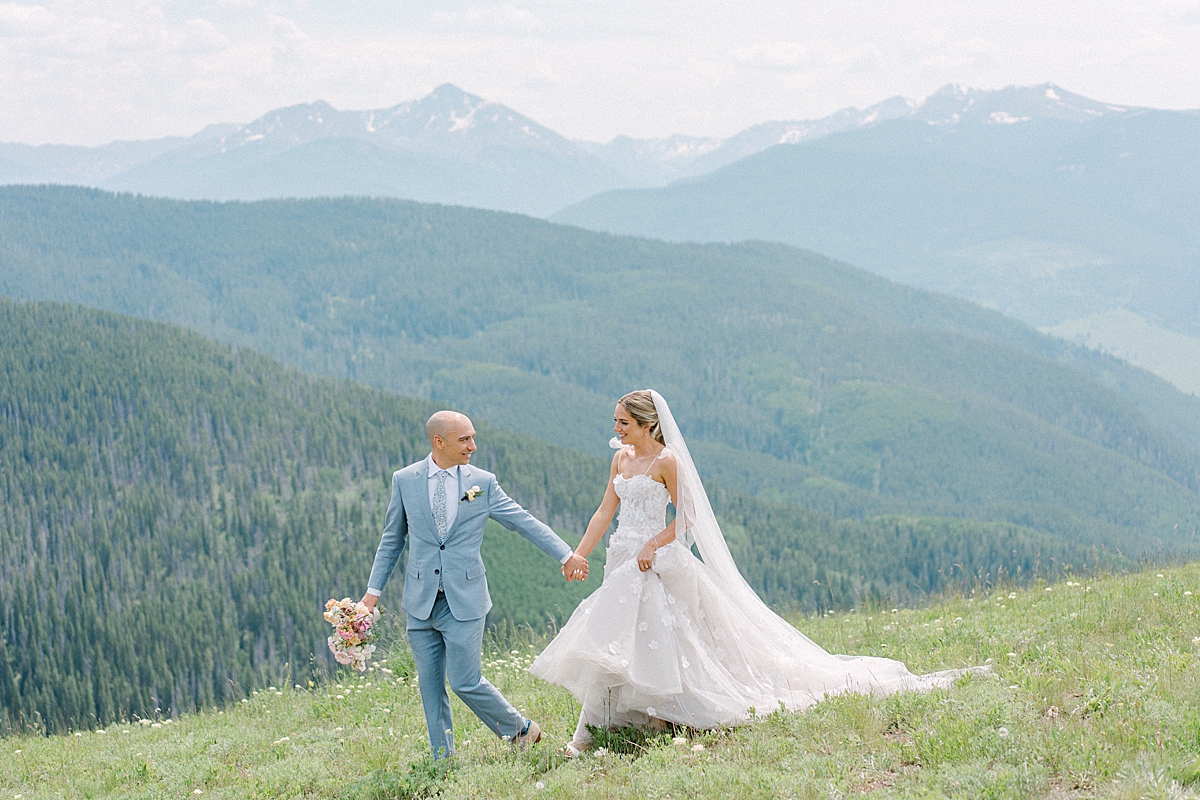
(369, 600)
(575, 568)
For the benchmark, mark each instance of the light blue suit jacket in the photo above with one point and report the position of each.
(456, 562)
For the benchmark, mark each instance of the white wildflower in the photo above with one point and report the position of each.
(1003, 732)
(697, 747)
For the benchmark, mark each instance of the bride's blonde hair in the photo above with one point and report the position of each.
(640, 405)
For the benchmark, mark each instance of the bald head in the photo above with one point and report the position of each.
(451, 437)
(444, 423)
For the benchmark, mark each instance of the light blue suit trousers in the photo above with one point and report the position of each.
(445, 628)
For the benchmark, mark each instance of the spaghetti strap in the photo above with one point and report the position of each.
(650, 466)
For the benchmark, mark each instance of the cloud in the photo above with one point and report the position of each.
(20, 20)
(959, 56)
(199, 37)
(776, 56)
(506, 18)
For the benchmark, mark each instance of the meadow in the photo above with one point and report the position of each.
(1093, 694)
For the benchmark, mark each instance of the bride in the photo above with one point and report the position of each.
(670, 638)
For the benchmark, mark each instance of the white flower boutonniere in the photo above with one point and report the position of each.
(471, 494)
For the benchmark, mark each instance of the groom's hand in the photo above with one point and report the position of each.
(369, 600)
(575, 568)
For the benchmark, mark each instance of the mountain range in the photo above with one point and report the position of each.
(447, 147)
(1052, 209)
(1064, 212)
(454, 147)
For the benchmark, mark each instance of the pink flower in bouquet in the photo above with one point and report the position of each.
(353, 631)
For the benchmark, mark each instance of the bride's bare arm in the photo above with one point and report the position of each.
(603, 516)
(669, 474)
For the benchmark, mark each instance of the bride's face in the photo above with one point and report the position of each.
(626, 428)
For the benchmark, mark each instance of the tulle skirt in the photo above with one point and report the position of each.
(667, 644)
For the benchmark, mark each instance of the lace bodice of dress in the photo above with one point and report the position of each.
(643, 509)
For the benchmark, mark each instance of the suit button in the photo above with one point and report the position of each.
(437, 572)
(443, 547)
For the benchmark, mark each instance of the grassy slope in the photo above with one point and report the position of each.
(1095, 696)
(1168, 354)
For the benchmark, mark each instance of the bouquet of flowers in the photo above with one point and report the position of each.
(353, 632)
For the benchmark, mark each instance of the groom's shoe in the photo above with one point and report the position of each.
(531, 735)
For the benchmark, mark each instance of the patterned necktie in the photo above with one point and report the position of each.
(439, 504)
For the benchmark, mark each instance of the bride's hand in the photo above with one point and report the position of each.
(575, 568)
(645, 558)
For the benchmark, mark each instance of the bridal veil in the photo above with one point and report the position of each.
(783, 664)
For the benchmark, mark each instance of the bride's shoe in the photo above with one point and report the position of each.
(575, 749)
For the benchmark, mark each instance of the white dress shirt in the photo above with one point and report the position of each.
(452, 495)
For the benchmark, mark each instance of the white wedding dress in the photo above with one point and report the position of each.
(689, 641)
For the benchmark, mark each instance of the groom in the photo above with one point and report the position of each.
(440, 506)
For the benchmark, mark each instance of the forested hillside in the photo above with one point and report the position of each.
(805, 381)
(175, 512)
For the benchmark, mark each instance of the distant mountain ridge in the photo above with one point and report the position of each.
(455, 147)
(649, 161)
(449, 147)
(1046, 206)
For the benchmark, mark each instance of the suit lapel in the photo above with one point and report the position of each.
(422, 479)
(464, 479)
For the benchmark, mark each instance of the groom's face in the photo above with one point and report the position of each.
(456, 447)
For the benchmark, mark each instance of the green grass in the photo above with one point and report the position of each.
(1097, 693)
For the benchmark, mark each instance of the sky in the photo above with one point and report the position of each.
(91, 71)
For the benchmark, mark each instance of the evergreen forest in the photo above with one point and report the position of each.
(174, 512)
(802, 381)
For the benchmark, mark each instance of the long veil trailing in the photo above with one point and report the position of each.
(788, 667)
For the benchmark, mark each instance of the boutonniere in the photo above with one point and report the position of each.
(471, 494)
